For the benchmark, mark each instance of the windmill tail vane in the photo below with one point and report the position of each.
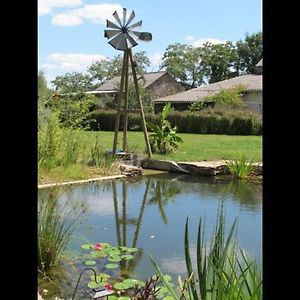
(123, 35)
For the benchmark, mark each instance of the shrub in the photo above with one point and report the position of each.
(207, 121)
(240, 168)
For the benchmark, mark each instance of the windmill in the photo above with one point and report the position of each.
(123, 36)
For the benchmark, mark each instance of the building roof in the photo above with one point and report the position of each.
(251, 82)
(111, 84)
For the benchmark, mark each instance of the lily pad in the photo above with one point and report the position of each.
(87, 246)
(98, 253)
(111, 266)
(113, 297)
(93, 284)
(114, 258)
(132, 250)
(100, 277)
(90, 262)
(167, 277)
(124, 298)
(121, 286)
(127, 256)
(122, 248)
(131, 282)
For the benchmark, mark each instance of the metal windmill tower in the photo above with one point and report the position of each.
(123, 37)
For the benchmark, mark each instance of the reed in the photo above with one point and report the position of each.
(56, 222)
(222, 270)
(240, 168)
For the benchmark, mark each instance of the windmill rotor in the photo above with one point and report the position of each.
(123, 35)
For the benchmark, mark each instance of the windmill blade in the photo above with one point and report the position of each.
(145, 36)
(110, 24)
(109, 33)
(124, 16)
(134, 34)
(114, 42)
(122, 44)
(119, 42)
(136, 25)
(130, 41)
(117, 18)
(132, 15)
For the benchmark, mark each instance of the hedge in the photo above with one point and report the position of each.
(210, 121)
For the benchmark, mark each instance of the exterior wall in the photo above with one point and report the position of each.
(253, 101)
(165, 86)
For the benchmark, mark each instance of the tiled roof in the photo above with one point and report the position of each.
(250, 81)
(111, 84)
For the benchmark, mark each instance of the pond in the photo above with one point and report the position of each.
(149, 213)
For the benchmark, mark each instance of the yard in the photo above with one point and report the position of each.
(196, 147)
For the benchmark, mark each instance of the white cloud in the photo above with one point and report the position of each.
(155, 61)
(61, 63)
(46, 6)
(96, 13)
(66, 20)
(201, 41)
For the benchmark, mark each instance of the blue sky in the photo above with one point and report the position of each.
(71, 32)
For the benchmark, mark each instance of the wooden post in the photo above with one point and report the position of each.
(117, 122)
(140, 103)
(125, 115)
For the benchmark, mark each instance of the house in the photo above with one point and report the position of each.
(158, 84)
(252, 96)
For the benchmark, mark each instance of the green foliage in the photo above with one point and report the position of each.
(206, 121)
(56, 222)
(229, 96)
(49, 140)
(184, 63)
(97, 154)
(163, 138)
(210, 63)
(218, 61)
(106, 69)
(72, 83)
(69, 147)
(73, 109)
(249, 53)
(240, 168)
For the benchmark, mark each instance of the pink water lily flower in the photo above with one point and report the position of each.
(108, 287)
(98, 246)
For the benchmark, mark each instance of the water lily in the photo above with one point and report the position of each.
(98, 246)
(108, 287)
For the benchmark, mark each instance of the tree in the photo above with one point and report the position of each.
(249, 53)
(218, 61)
(43, 91)
(72, 83)
(184, 63)
(106, 69)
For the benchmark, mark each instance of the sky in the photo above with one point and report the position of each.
(71, 32)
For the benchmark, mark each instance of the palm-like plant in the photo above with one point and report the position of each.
(163, 138)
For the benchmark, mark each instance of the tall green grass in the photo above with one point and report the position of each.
(56, 222)
(222, 271)
(240, 168)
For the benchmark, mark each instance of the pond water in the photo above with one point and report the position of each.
(149, 213)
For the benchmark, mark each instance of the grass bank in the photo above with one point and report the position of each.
(196, 147)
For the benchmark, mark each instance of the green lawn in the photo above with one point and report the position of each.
(196, 147)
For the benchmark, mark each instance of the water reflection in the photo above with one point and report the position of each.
(129, 212)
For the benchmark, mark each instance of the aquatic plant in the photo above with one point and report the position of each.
(56, 222)
(240, 168)
(221, 272)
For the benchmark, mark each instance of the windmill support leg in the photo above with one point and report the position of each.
(125, 115)
(140, 104)
(117, 122)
